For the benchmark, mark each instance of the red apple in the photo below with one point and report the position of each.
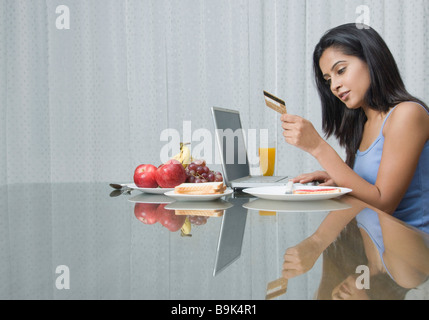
(170, 174)
(146, 212)
(169, 219)
(172, 161)
(145, 176)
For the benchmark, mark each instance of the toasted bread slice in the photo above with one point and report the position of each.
(200, 188)
(204, 213)
(317, 191)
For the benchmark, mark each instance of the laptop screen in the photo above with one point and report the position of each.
(230, 140)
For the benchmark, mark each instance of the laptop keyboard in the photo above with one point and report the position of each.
(264, 179)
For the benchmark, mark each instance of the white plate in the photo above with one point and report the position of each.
(194, 205)
(149, 190)
(296, 206)
(150, 198)
(197, 197)
(278, 193)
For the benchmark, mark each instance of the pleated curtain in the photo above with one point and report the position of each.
(91, 101)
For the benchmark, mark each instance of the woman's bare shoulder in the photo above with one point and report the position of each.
(412, 109)
(409, 115)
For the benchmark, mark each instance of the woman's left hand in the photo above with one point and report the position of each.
(300, 132)
(301, 258)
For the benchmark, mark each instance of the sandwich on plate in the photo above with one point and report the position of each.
(202, 213)
(317, 191)
(200, 188)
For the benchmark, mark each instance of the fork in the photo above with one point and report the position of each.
(117, 186)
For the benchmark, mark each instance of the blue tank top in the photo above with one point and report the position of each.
(414, 207)
(368, 220)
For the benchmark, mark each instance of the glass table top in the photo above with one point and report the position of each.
(86, 241)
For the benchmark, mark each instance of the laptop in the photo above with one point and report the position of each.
(234, 159)
(231, 236)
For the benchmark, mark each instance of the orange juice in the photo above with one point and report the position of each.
(267, 160)
(267, 213)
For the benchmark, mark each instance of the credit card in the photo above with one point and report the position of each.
(275, 103)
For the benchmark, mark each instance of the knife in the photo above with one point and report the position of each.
(289, 187)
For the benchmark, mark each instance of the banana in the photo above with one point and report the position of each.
(184, 156)
(186, 228)
(177, 157)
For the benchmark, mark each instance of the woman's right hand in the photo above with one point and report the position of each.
(318, 176)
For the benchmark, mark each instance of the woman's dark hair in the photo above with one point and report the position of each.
(386, 88)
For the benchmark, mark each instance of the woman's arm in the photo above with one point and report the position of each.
(405, 132)
(302, 257)
(406, 253)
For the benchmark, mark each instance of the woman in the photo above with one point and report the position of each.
(383, 129)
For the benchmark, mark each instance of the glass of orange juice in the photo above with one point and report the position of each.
(267, 158)
(267, 213)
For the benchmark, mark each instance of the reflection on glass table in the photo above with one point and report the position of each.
(184, 215)
(115, 251)
(366, 255)
(230, 236)
(295, 206)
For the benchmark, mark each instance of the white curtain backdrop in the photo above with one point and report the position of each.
(90, 103)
